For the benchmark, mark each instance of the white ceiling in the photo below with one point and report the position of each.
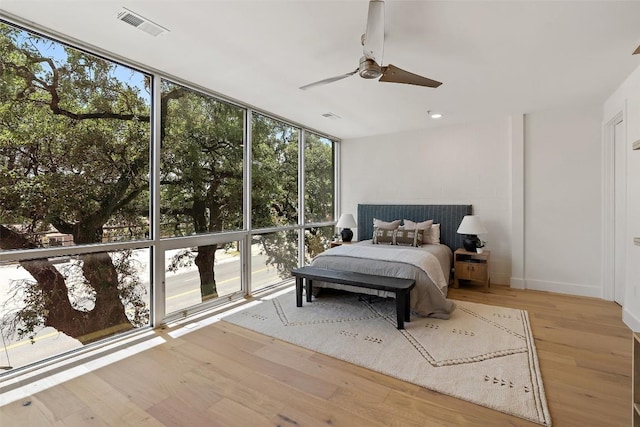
(494, 58)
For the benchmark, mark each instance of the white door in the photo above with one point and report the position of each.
(620, 206)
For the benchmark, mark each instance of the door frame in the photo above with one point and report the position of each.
(608, 205)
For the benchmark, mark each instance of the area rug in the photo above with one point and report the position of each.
(482, 354)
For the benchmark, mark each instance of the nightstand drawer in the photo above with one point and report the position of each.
(471, 267)
(478, 271)
(471, 270)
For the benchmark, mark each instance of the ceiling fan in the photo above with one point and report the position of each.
(370, 64)
(637, 51)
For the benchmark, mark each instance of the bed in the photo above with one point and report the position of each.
(429, 264)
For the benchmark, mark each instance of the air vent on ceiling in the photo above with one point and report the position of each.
(140, 22)
(331, 116)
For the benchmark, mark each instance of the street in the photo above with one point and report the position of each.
(182, 288)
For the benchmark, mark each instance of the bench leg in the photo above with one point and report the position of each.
(309, 289)
(407, 307)
(400, 308)
(298, 291)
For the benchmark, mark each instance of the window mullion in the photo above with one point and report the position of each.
(158, 288)
(245, 250)
(301, 196)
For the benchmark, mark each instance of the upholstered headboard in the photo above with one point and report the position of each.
(448, 216)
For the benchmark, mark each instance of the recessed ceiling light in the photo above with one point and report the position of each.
(434, 115)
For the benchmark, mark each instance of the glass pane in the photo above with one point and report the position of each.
(274, 186)
(201, 163)
(316, 241)
(74, 146)
(319, 184)
(195, 275)
(53, 305)
(273, 255)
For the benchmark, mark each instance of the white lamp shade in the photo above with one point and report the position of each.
(346, 221)
(471, 225)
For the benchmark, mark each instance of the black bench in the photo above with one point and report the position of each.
(401, 287)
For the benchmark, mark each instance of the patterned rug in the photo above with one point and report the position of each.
(482, 354)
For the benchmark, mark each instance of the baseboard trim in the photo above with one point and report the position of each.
(630, 320)
(564, 288)
(517, 283)
(499, 279)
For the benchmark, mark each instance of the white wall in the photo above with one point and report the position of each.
(465, 164)
(538, 182)
(627, 100)
(563, 201)
(535, 182)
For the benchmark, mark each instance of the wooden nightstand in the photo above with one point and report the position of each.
(472, 267)
(335, 243)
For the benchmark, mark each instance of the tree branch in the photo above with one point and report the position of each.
(52, 89)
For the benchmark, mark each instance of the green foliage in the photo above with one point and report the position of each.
(131, 291)
(181, 259)
(319, 178)
(317, 240)
(28, 320)
(274, 150)
(201, 163)
(73, 147)
(75, 159)
(281, 249)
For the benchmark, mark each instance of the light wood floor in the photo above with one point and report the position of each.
(223, 375)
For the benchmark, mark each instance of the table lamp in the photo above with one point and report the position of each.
(471, 226)
(346, 222)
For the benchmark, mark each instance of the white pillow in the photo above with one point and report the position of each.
(431, 230)
(410, 225)
(386, 225)
(433, 236)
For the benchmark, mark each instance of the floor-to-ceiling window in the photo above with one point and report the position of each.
(74, 197)
(274, 202)
(319, 193)
(127, 197)
(201, 192)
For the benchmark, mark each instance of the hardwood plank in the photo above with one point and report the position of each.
(223, 374)
(262, 391)
(27, 412)
(228, 412)
(438, 406)
(222, 345)
(84, 417)
(376, 391)
(149, 379)
(108, 404)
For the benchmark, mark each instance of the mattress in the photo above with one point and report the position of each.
(428, 265)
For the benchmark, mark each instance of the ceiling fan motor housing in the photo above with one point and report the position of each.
(369, 69)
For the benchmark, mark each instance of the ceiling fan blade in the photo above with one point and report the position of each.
(374, 36)
(327, 81)
(637, 51)
(393, 74)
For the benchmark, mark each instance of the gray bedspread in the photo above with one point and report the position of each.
(429, 265)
